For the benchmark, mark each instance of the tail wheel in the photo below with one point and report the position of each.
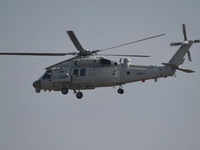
(120, 91)
(79, 95)
(64, 90)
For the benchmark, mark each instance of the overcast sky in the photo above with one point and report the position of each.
(149, 116)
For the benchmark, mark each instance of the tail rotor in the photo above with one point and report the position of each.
(185, 42)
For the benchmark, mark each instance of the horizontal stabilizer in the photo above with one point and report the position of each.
(186, 70)
(178, 68)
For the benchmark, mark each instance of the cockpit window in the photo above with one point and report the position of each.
(47, 75)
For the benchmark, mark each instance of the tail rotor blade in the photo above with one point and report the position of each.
(175, 44)
(189, 56)
(196, 41)
(184, 32)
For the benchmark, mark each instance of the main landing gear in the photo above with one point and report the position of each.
(65, 91)
(79, 95)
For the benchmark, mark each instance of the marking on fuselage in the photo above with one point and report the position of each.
(140, 73)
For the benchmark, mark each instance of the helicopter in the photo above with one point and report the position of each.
(86, 71)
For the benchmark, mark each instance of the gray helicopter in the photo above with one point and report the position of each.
(87, 71)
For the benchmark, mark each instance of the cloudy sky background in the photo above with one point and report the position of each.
(154, 116)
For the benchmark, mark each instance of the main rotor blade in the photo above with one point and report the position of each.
(124, 55)
(38, 54)
(184, 32)
(132, 42)
(75, 41)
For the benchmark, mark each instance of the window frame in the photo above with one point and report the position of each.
(75, 72)
(82, 72)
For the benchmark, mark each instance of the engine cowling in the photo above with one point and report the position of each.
(127, 62)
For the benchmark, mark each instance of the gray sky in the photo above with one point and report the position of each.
(154, 116)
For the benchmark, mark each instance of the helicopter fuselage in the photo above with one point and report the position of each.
(90, 73)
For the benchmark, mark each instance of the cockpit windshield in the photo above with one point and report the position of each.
(47, 75)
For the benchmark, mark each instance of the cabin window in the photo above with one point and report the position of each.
(47, 75)
(82, 72)
(75, 72)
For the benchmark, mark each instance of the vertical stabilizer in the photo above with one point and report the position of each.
(178, 57)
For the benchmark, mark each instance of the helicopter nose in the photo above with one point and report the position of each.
(37, 84)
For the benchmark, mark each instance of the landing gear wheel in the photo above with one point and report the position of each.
(79, 95)
(120, 91)
(64, 90)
